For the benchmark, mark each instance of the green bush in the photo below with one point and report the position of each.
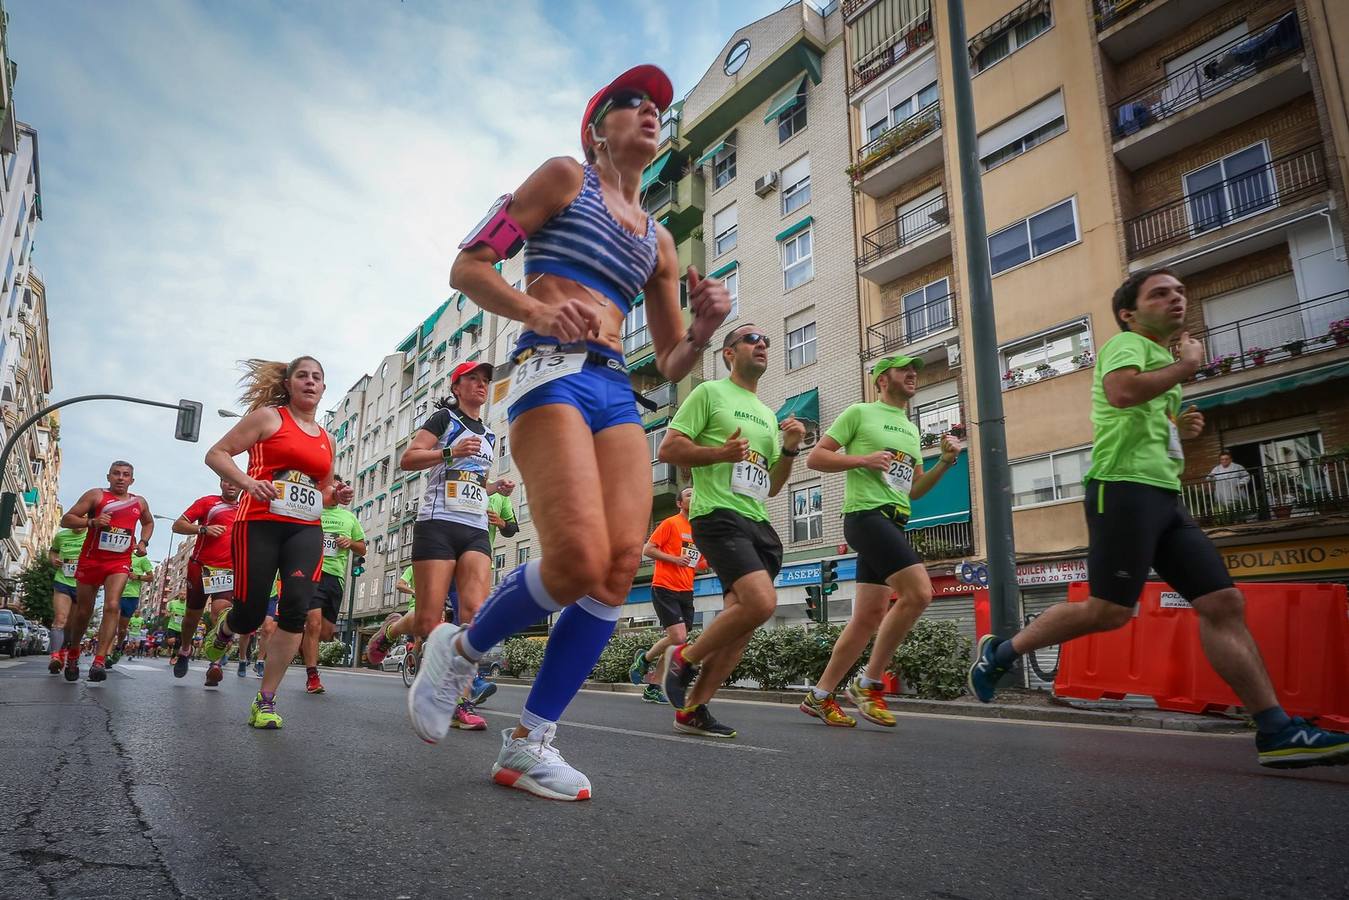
(522, 656)
(933, 660)
(617, 657)
(331, 653)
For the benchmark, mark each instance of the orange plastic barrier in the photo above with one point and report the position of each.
(1302, 630)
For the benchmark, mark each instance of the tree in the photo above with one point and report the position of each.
(35, 583)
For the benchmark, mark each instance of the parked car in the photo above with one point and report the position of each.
(492, 662)
(394, 661)
(38, 638)
(9, 633)
(25, 630)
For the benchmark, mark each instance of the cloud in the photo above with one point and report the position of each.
(250, 179)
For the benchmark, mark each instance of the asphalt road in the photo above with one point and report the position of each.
(146, 786)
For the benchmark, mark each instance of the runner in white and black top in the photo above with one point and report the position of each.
(449, 538)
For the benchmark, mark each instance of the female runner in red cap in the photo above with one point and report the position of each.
(574, 425)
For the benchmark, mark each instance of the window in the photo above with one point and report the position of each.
(736, 56)
(724, 230)
(522, 553)
(396, 503)
(1027, 129)
(798, 266)
(732, 282)
(498, 567)
(1045, 355)
(796, 185)
(927, 310)
(503, 452)
(635, 333)
(1011, 39)
(388, 583)
(669, 127)
(895, 104)
(1235, 186)
(1033, 237)
(807, 513)
(801, 339)
(521, 504)
(1046, 479)
(723, 167)
(793, 120)
(379, 506)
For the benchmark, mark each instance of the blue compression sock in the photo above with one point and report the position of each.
(1004, 655)
(578, 639)
(517, 602)
(1272, 720)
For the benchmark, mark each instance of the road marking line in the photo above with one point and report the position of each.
(5, 664)
(715, 743)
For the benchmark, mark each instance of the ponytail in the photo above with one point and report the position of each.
(264, 381)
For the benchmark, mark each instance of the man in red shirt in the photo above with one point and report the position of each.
(671, 546)
(105, 562)
(210, 570)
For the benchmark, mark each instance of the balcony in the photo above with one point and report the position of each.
(1124, 28)
(692, 252)
(1276, 335)
(912, 325)
(899, 154)
(937, 418)
(678, 204)
(900, 46)
(662, 473)
(910, 241)
(1250, 75)
(664, 396)
(1291, 490)
(406, 395)
(636, 340)
(1278, 183)
(954, 540)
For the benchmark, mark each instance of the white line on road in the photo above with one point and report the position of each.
(6, 663)
(714, 743)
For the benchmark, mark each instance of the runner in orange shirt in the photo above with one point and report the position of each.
(671, 546)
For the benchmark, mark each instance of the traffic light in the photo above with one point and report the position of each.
(813, 603)
(828, 576)
(189, 421)
(358, 566)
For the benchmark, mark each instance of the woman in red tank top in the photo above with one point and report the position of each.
(276, 532)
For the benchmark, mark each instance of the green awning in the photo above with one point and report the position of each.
(711, 154)
(440, 348)
(949, 499)
(30, 497)
(653, 171)
(429, 324)
(410, 341)
(1272, 386)
(724, 269)
(784, 101)
(793, 229)
(474, 322)
(804, 406)
(473, 357)
(648, 360)
(381, 495)
(658, 423)
(397, 485)
(639, 299)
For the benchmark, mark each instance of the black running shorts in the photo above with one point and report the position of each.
(441, 540)
(882, 548)
(1134, 527)
(328, 596)
(735, 546)
(672, 607)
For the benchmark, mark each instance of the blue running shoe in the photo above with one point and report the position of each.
(984, 673)
(1302, 744)
(243, 667)
(482, 689)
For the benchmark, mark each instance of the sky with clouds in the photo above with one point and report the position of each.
(223, 180)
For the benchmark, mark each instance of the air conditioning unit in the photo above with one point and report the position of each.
(766, 184)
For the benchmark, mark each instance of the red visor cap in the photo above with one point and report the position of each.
(650, 80)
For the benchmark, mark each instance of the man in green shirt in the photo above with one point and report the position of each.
(142, 571)
(730, 439)
(500, 513)
(883, 458)
(176, 610)
(1136, 521)
(136, 635)
(64, 554)
(342, 535)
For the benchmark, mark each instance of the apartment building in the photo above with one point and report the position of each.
(1203, 135)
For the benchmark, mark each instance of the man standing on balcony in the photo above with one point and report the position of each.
(1137, 521)
(882, 454)
(1231, 482)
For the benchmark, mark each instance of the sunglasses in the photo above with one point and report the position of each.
(754, 337)
(624, 99)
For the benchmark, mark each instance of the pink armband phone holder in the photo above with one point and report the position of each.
(497, 230)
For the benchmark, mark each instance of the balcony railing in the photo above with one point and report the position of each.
(658, 195)
(1279, 182)
(1321, 323)
(893, 140)
(663, 396)
(1305, 487)
(936, 418)
(1207, 76)
(893, 50)
(662, 473)
(407, 392)
(1108, 12)
(911, 325)
(904, 229)
(636, 340)
(950, 541)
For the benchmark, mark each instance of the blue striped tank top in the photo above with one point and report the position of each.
(587, 244)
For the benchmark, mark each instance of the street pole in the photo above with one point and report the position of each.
(999, 542)
(351, 615)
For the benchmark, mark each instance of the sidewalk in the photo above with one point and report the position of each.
(1025, 705)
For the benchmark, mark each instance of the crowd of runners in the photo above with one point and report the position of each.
(273, 545)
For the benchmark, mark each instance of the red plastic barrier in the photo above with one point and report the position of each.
(983, 613)
(1302, 630)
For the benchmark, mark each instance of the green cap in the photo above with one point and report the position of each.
(895, 362)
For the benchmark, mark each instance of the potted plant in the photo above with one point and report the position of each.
(1294, 347)
(1339, 332)
(1045, 370)
(1012, 378)
(929, 440)
(1084, 359)
(1258, 355)
(1224, 363)
(957, 431)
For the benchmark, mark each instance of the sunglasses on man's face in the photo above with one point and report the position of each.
(754, 337)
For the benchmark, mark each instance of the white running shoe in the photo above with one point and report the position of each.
(442, 679)
(533, 764)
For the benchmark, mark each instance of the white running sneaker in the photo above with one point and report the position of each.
(442, 679)
(533, 764)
